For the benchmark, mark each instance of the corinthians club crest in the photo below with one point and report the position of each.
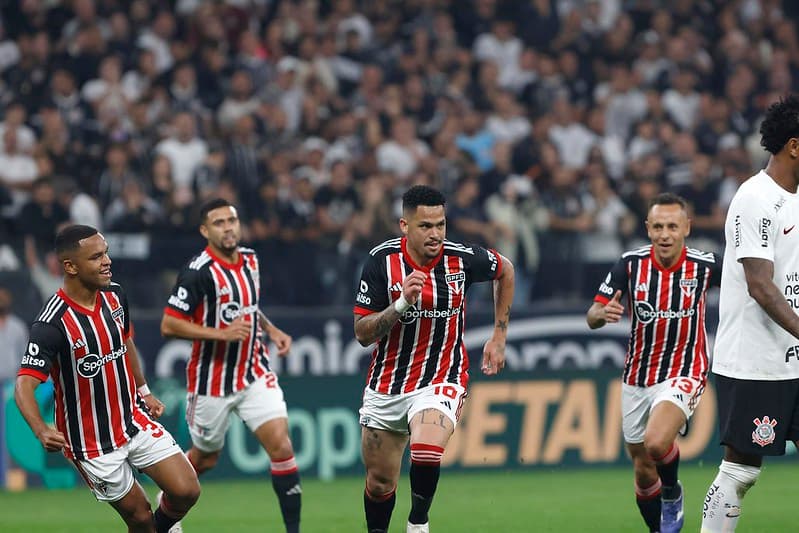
(764, 431)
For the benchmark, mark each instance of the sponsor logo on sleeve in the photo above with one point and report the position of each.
(179, 299)
(362, 297)
(31, 357)
(765, 224)
(737, 232)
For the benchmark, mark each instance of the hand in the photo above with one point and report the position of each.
(52, 439)
(493, 357)
(412, 286)
(238, 330)
(281, 339)
(614, 309)
(154, 405)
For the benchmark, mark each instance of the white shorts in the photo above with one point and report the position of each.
(208, 417)
(638, 402)
(393, 412)
(110, 476)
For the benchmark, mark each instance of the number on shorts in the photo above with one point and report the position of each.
(684, 384)
(447, 390)
(271, 381)
(154, 429)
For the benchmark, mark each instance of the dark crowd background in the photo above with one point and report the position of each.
(549, 124)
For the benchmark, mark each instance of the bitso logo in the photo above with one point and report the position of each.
(31, 357)
(764, 434)
(362, 297)
(179, 299)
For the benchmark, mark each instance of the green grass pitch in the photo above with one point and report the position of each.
(597, 500)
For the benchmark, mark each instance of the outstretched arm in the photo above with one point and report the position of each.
(494, 349)
(759, 282)
(52, 439)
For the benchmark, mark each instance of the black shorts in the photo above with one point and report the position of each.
(758, 417)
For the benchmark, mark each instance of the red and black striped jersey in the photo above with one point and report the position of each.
(212, 292)
(425, 346)
(84, 351)
(668, 337)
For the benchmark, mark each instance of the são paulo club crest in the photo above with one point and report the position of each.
(764, 431)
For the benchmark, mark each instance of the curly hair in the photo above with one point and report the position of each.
(780, 124)
(422, 195)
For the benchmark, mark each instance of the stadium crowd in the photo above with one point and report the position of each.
(549, 124)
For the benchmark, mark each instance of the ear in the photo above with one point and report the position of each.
(203, 231)
(404, 227)
(69, 267)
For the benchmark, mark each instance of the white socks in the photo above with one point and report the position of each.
(722, 505)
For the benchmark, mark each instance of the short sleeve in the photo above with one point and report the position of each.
(485, 265)
(44, 344)
(186, 295)
(372, 293)
(753, 228)
(616, 280)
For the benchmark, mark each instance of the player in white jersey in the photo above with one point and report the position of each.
(756, 354)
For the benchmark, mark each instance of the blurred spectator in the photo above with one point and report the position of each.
(14, 119)
(13, 338)
(41, 216)
(134, 211)
(17, 170)
(80, 207)
(404, 152)
(184, 150)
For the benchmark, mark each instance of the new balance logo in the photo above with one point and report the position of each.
(397, 287)
(296, 490)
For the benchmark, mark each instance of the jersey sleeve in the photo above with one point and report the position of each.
(372, 293)
(715, 271)
(616, 280)
(485, 265)
(44, 344)
(754, 228)
(186, 295)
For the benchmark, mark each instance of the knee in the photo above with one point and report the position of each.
(185, 495)
(657, 446)
(140, 518)
(204, 461)
(281, 450)
(377, 483)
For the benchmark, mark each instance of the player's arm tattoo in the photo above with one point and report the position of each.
(502, 322)
(371, 328)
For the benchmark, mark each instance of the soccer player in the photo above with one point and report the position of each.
(104, 411)
(756, 354)
(666, 367)
(215, 304)
(411, 303)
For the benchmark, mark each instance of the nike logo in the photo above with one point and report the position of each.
(786, 231)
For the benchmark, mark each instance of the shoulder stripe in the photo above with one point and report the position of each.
(391, 243)
(699, 254)
(457, 247)
(641, 252)
(51, 309)
(245, 250)
(200, 261)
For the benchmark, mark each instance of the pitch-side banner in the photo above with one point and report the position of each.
(556, 403)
